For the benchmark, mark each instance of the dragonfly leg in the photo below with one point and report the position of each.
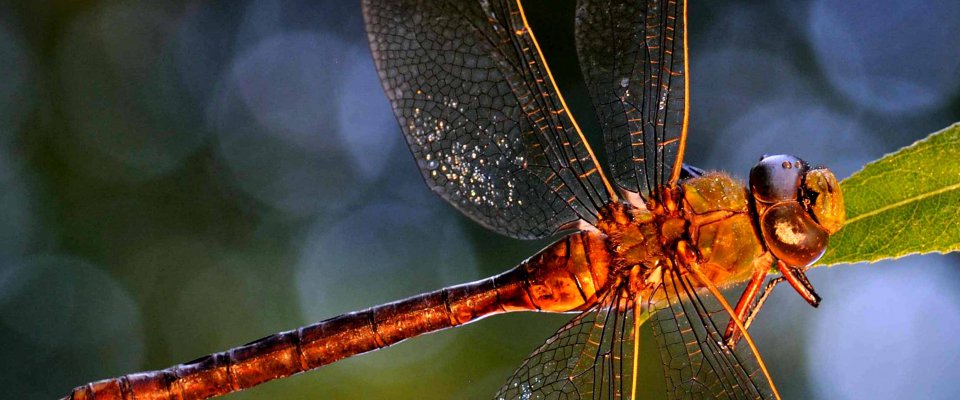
(800, 283)
(744, 306)
(798, 280)
(767, 290)
(733, 336)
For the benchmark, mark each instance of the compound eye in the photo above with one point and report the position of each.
(777, 178)
(792, 235)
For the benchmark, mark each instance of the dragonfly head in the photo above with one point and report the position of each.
(799, 207)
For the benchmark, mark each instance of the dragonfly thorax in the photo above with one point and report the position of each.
(711, 212)
(720, 226)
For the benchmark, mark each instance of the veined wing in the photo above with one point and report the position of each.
(633, 58)
(591, 357)
(481, 114)
(687, 325)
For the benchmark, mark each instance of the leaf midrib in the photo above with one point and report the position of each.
(903, 202)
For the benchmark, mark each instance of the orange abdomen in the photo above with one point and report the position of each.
(568, 275)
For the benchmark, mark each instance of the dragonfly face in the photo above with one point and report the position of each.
(798, 207)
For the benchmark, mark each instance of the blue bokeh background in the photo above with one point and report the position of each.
(181, 177)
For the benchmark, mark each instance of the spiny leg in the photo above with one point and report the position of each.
(744, 306)
(797, 279)
(800, 283)
(767, 290)
(733, 336)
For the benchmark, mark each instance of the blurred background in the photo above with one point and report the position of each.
(181, 177)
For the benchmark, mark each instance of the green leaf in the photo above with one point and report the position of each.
(905, 203)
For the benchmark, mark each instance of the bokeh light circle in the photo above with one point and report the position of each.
(887, 55)
(276, 120)
(368, 129)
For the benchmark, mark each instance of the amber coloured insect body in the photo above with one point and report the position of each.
(721, 227)
(492, 135)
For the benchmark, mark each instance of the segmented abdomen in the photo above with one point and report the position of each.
(563, 277)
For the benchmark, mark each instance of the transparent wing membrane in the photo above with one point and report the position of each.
(481, 114)
(687, 325)
(591, 357)
(632, 57)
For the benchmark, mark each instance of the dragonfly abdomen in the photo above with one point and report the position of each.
(571, 274)
(313, 346)
(565, 276)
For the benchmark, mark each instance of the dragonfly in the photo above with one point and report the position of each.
(647, 239)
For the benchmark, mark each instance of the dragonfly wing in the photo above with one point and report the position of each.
(588, 358)
(633, 60)
(481, 114)
(686, 324)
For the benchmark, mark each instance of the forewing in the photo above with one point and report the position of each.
(686, 324)
(588, 358)
(632, 57)
(481, 115)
